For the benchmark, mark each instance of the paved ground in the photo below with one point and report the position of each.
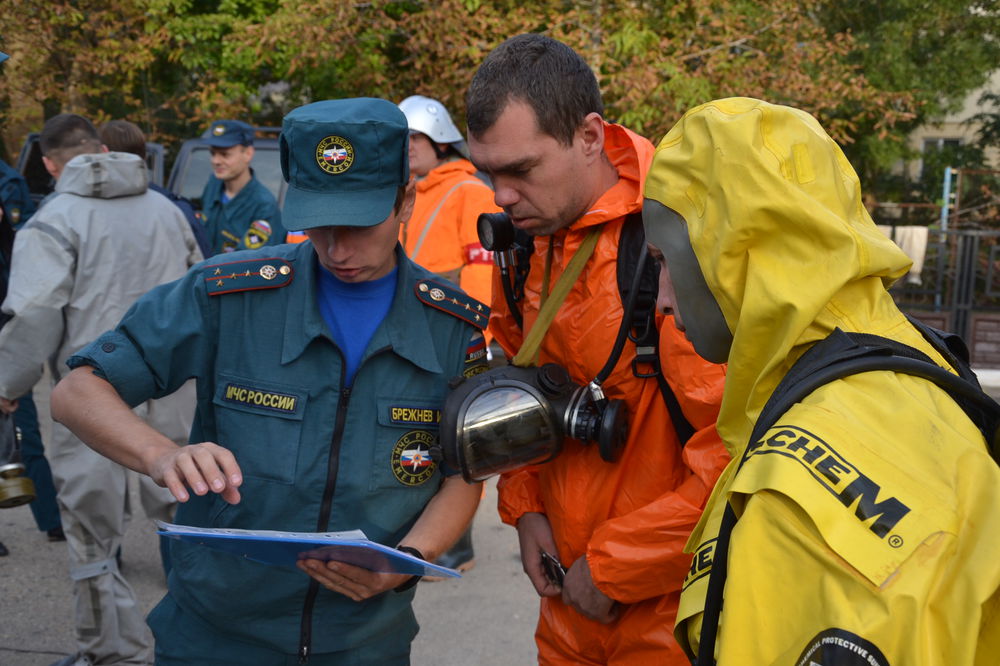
(486, 618)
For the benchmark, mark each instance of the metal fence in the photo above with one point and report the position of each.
(958, 289)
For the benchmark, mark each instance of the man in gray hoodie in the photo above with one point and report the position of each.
(93, 248)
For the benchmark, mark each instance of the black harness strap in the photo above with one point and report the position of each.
(642, 329)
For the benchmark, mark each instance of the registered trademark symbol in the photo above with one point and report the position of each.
(895, 541)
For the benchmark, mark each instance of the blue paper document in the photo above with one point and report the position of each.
(286, 548)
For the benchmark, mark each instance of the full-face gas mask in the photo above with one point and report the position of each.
(15, 488)
(509, 417)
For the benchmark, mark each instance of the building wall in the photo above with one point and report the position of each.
(955, 127)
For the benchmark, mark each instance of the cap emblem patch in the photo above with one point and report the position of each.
(219, 130)
(334, 154)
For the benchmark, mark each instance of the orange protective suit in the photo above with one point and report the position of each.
(441, 233)
(631, 518)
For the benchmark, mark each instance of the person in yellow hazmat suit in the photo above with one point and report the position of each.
(868, 518)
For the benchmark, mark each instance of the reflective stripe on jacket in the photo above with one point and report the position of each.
(441, 233)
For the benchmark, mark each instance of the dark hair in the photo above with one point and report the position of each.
(67, 135)
(124, 137)
(544, 73)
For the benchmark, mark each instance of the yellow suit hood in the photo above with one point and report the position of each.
(783, 241)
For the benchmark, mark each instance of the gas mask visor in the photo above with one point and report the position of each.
(510, 417)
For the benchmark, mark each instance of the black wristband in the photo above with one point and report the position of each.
(414, 579)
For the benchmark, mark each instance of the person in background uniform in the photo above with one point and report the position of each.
(320, 370)
(563, 173)
(16, 207)
(240, 213)
(81, 261)
(869, 515)
(126, 137)
(441, 234)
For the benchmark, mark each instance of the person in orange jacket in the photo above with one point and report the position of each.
(441, 233)
(560, 170)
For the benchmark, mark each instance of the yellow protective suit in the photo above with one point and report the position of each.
(869, 515)
(631, 518)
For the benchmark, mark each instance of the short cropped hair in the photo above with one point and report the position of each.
(544, 73)
(67, 135)
(123, 136)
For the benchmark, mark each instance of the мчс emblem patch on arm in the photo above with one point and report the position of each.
(411, 458)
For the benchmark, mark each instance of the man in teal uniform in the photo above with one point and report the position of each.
(240, 213)
(321, 370)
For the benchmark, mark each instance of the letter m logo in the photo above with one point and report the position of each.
(886, 513)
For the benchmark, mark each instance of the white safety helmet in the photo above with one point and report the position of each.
(428, 116)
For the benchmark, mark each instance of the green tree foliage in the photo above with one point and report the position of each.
(936, 51)
(989, 119)
(870, 71)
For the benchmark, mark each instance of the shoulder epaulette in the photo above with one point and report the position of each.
(455, 302)
(248, 275)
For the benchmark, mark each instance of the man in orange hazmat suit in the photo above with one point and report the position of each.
(560, 171)
(863, 522)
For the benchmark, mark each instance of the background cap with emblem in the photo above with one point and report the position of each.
(344, 161)
(228, 133)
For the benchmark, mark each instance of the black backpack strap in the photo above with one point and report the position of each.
(839, 355)
(642, 328)
(950, 346)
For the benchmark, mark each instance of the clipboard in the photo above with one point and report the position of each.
(284, 549)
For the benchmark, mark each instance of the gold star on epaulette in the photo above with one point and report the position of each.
(248, 275)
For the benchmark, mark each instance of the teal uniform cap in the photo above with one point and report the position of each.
(3, 56)
(344, 161)
(228, 133)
